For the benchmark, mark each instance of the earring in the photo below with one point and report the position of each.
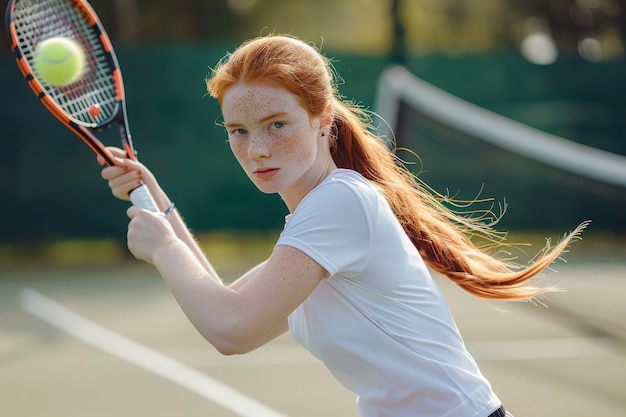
(323, 134)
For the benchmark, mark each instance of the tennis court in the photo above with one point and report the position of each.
(110, 340)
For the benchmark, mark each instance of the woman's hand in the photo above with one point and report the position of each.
(148, 233)
(125, 175)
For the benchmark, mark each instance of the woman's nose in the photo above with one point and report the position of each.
(259, 146)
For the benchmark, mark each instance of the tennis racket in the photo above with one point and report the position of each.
(94, 102)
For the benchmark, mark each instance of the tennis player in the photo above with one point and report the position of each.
(348, 275)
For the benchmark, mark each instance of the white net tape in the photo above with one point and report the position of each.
(397, 85)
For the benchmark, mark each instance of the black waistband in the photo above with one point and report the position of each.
(498, 413)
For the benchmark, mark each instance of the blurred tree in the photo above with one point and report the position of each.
(147, 21)
(595, 30)
(592, 29)
(457, 26)
(398, 49)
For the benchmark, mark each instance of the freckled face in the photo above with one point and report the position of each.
(274, 140)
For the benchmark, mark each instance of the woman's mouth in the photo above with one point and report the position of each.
(265, 173)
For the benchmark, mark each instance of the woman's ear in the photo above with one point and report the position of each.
(327, 119)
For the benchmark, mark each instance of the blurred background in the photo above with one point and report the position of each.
(555, 65)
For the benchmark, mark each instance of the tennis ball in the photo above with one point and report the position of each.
(59, 60)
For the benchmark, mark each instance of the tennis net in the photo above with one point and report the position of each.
(547, 181)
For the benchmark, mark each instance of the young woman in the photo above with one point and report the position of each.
(348, 276)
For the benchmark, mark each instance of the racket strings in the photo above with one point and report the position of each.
(36, 20)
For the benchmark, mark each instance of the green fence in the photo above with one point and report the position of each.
(50, 183)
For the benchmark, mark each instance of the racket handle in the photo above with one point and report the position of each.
(141, 197)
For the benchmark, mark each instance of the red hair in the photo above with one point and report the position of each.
(445, 238)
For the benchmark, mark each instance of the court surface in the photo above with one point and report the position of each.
(112, 341)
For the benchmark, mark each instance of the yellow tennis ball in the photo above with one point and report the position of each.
(59, 60)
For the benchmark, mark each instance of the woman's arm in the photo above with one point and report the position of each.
(128, 175)
(240, 282)
(237, 318)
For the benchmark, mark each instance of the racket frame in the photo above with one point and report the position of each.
(140, 196)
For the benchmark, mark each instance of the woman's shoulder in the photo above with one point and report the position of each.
(344, 174)
(342, 184)
(343, 189)
(348, 178)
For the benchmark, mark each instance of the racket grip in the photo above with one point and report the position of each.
(141, 197)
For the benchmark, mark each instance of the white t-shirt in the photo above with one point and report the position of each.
(379, 322)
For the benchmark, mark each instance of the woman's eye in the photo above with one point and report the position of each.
(238, 131)
(278, 125)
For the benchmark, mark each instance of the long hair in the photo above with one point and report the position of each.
(446, 238)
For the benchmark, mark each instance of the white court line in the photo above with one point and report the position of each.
(117, 345)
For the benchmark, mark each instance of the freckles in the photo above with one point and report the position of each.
(245, 102)
(299, 149)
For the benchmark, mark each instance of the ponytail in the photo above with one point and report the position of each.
(442, 236)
